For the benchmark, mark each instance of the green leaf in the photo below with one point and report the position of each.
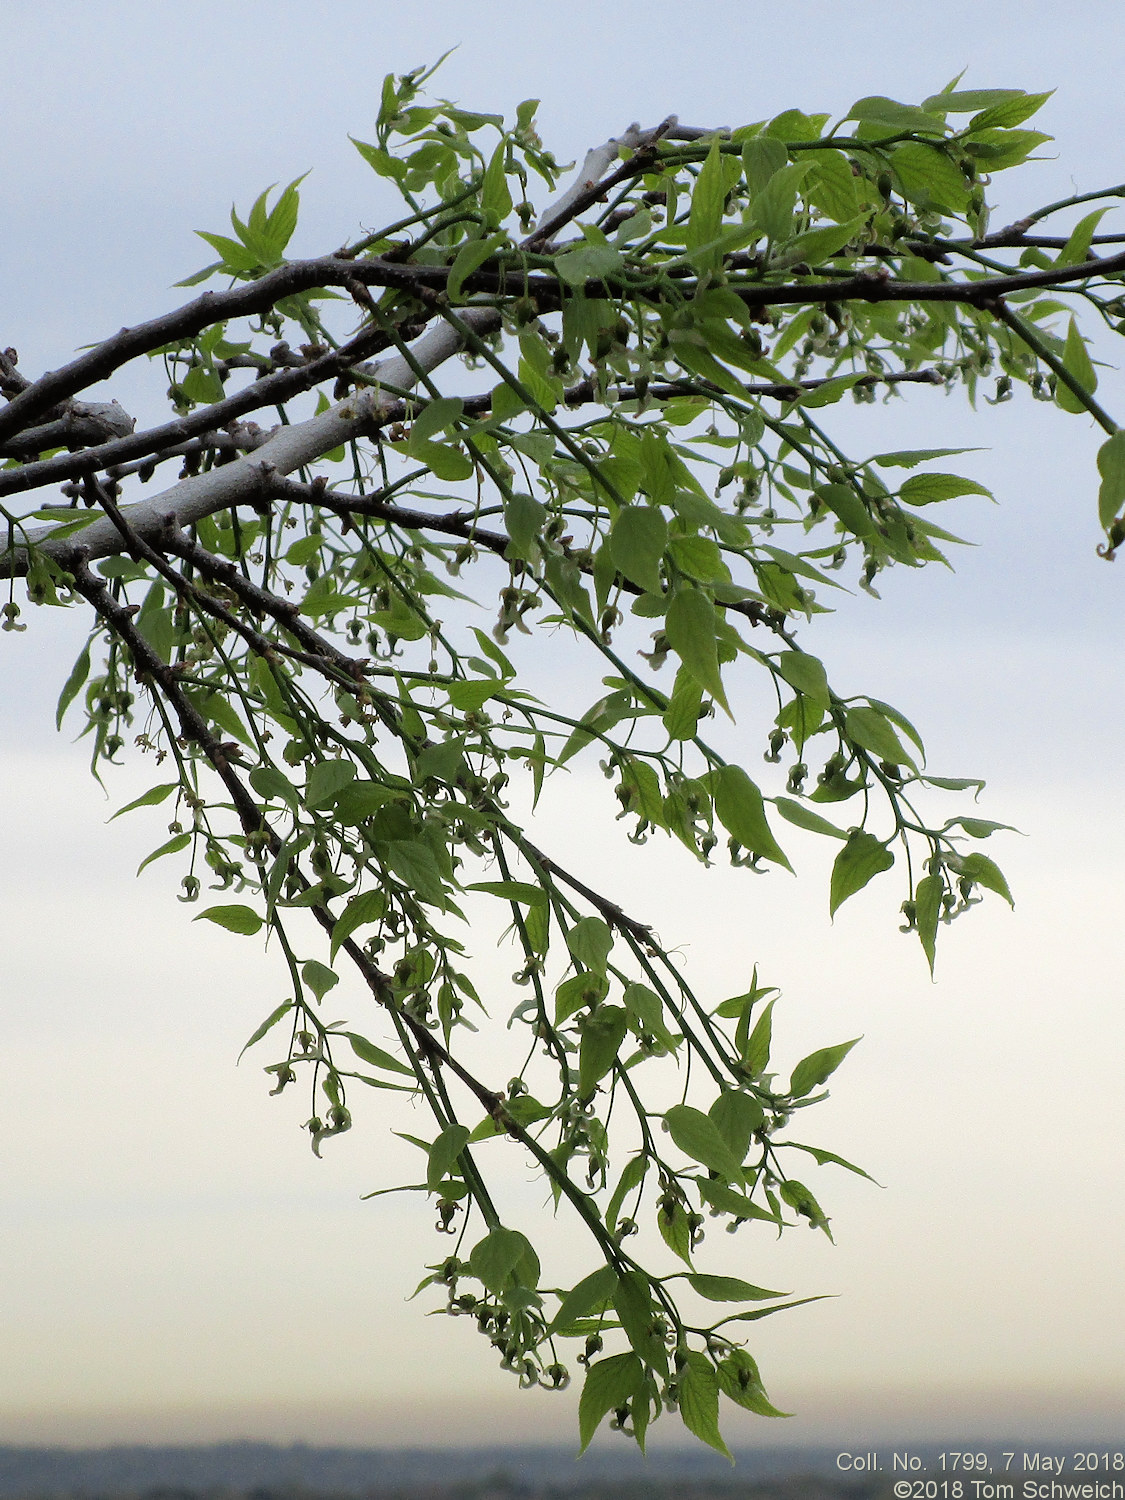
(73, 685)
(360, 911)
(846, 504)
(503, 1258)
(984, 871)
(1077, 247)
(756, 1053)
(151, 798)
(997, 149)
(719, 1196)
(437, 416)
(817, 245)
(414, 864)
(241, 919)
(698, 1394)
(926, 489)
(691, 629)
(590, 941)
(928, 178)
(799, 1198)
(578, 991)
(708, 196)
(740, 808)
(269, 782)
(763, 156)
(1003, 113)
(637, 543)
(267, 1025)
(681, 717)
(805, 673)
(236, 257)
(910, 458)
(442, 459)
(471, 256)
(610, 1384)
(359, 800)
(774, 206)
(470, 695)
(969, 101)
(173, 846)
(828, 1158)
(326, 780)
(634, 1306)
(927, 910)
(631, 1178)
(602, 1035)
(872, 730)
(319, 978)
(496, 200)
(648, 1008)
(729, 1289)
(589, 262)
(512, 890)
(891, 117)
(738, 1116)
(675, 1227)
(804, 817)
(1111, 467)
(740, 1382)
(698, 1137)
(591, 1294)
(376, 1057)
(443, 1154)
(861, 858)
(813, 1070)
(1076, 361)
(524, 517)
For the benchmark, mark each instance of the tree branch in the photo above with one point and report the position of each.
(287, 449)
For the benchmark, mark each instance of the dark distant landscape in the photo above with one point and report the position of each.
(265, 1471)
(298, 1471)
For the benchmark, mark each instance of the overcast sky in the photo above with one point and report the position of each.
(173, 1262)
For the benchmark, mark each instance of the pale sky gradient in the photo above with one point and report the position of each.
(173, 1261)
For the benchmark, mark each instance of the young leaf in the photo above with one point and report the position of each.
(319, 978)
(636, 543)
(691, 629)
(590, 941)
(375, 1057)
(984, 871)
(173, 846)
(496, 200)
(151, 798)
(1076, 360)
(504, 1257)
(73, 686)
(697, 1388)
(241, 919)
(610, 1384)
(870, 729)
(591, 1294)
(471, 256)
(729, 1289)
(927, 909)
(267, 1025)
(862, 857)
(698, 1137)
(602, 1035)
(1111, 467)
(443, 1154)
(741, 810)
(813, 1070)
